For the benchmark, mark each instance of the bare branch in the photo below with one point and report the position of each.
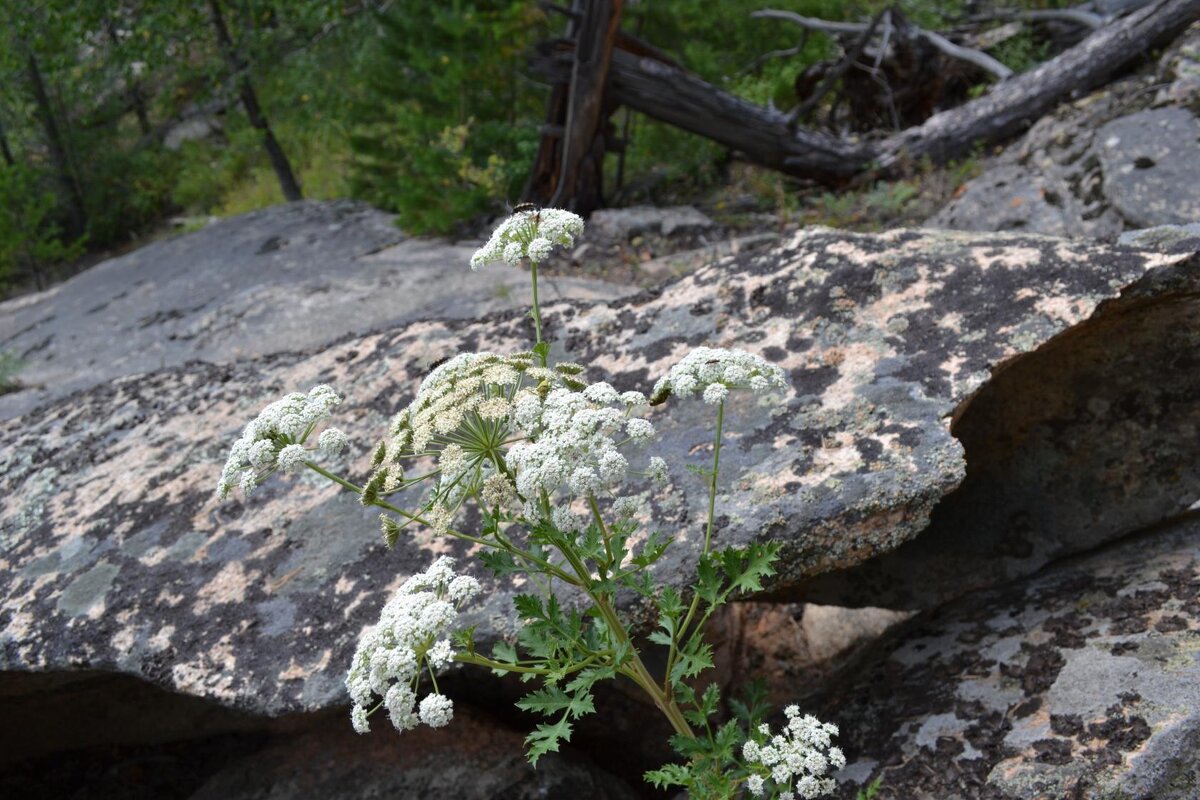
(1085, 18)
(976, 57)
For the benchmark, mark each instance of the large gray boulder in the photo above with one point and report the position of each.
(287, 278)
(117, 556)
(1118, 159)
(1082, 682)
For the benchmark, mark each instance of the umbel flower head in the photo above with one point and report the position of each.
(713, 372)
(514, 435)
(411, 635)
(529, 234)
(795, 761)
(275, 439)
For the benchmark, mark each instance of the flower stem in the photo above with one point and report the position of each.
(635, 670)
(537, 311)
(513, 549)
(708, 530)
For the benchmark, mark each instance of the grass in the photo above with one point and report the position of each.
(10, 365)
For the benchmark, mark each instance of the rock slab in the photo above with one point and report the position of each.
(115, 556)
(1083, 682)
(286, 278)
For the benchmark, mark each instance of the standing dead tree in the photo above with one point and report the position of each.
(569, 167)
(767, 136)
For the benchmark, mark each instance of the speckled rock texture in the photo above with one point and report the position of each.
(1090, 438)
(286, 278)
(1119, 159)
(116, 556)
(1082, 682)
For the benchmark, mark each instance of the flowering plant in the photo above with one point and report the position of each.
(546, 459)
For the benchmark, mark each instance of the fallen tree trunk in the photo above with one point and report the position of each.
(762, 135)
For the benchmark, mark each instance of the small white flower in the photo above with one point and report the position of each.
(706, 367)
(801, 753)
(261, 454)
(755, 784)
(291, 458)
(392, 655)
(437, 710)
(539, 249)
(633, 398)
(463, 588)
(626, 507)
(440, 654)
(273, 439)
(358, 719)
(566, 520)
(715, 393)
(657, 469)
(639, 430)
(529, 234)
(332, 441)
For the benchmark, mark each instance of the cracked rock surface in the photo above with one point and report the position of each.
(1080, 682)
(115, 555)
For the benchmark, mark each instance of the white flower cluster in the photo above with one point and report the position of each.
(802, 753)
(713, 372)
(572, 449)
(529, 234)
(410, 634)
(461, 416)
(275, 439)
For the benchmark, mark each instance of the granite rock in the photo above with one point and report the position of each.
(1082, 682)
(289, 277)
(1150, 166)
(1118, 159)
(625, 223)
(115, 556)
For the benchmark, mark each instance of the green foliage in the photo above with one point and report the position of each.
(870, 790)
(10, 366)
(30, 238)
(1022, 52)
(448, 125)
(709, 768)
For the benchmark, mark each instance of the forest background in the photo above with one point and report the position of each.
(124, 120)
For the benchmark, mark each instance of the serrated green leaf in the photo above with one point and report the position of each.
(691, 661)
(500, 562)
(667, 775)
(747, 566)
(464, 639)
(546, 738)
(546, 701)
(529, 607)
(709, 700)
(652, 550)
(503, 651)
(708, 580)
(660, 637)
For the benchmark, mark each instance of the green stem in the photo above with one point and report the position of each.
(537, 310)
(604, 533)
(708, 531)
(636, 671)
(516, 551)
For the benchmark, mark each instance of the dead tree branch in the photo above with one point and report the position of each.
(976, 57)
(762, 135)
